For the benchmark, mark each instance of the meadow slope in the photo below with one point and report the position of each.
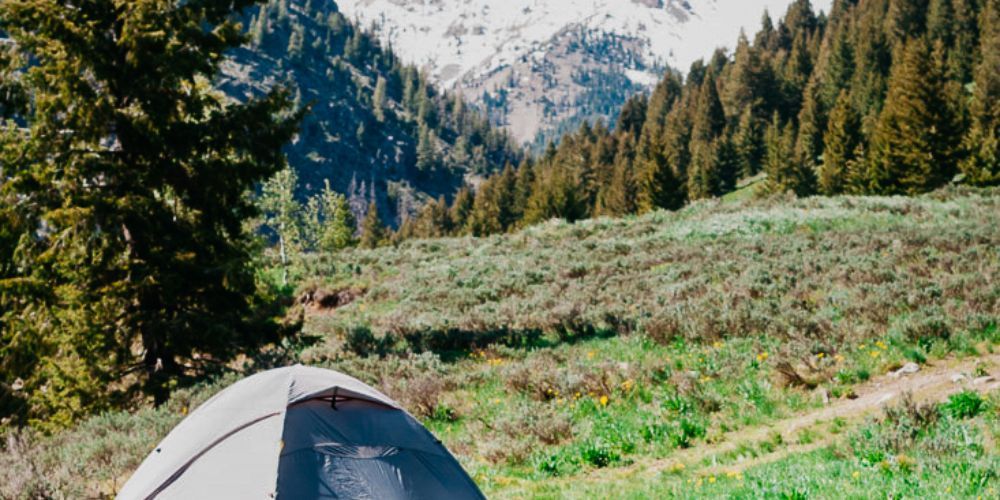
(627, 346)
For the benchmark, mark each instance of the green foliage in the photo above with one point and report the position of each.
(138, 173)
(965, 404)
(373, 230)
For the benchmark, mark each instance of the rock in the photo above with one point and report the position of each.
(823, 395)
(958, 378)
(907, 369)
(984, 380)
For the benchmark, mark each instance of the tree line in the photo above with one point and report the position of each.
(878, 97)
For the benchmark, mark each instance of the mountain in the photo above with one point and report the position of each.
(540, 66)
(377, 129)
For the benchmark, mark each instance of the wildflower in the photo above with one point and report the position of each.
(184, 410)
(862, 347)
(762, 357)
(627, 385)
(706, 378)
(881, 345)
(496, 401)
(604, 400)
(731, 473)
(711, 479)
(875, 354)
(591, 354)
(717, 344)
(856, 474)
(820, 355)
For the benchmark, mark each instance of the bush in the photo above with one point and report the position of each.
(966, 404)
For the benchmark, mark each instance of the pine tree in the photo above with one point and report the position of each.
(142, 174)
(749, 143)
(784, 174)
(841, 141)
(339, 225)
(461, 209)
(809, 142)
(982, 166)
(426, 150)
(906, 19)
(916, 144)
(373, 230)
(620, 196)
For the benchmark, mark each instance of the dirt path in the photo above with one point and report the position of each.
(933, 383)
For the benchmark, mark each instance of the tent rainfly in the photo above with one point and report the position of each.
(299, 433)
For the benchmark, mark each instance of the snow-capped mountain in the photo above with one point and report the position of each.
(537, 63)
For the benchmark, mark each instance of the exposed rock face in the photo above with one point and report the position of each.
(537, 65)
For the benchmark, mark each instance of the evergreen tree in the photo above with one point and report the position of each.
(906, 19)
(620, 196)
(916, 144)
(373, 230)
(749, 143)
(841, 141)
(784, 174)
(339, 225)
(523, 187)
(461, 209)
(426, 150)
(982, 167)
(139, 173)
(809, 142)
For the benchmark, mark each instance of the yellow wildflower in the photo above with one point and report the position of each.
(881, 345)
(856, 474)
(711, 479)
(627, 385)
(717, 344)
(762, 357)
(875, 354)
(591, 354)
(820, 355)
(604, 401)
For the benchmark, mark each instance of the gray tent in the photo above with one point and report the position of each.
(299, 433)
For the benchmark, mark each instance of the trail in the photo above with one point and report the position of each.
(933, 383)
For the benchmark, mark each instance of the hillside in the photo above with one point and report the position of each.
(541, 67)
(550, 359)
(377, 129)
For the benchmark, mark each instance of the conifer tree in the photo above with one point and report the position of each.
(339, 225)
(426, 150)
(461, 209)
(373, 230)
(749, 143)
(784, 174)
(841, 141)
(140, 173)
(916, 144)
(982, 166)
(618, 198)
(809, 142)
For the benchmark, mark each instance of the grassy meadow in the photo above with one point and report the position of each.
(570, 360)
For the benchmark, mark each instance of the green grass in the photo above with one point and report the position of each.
(542, 356)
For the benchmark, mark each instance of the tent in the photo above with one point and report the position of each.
(299, 433)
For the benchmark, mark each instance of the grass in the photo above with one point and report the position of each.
(541, 356)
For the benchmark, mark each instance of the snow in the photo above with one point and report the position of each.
(478, 36)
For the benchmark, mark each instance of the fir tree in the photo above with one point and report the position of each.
(916, 144)
(461, 208)
(339, 225)
(784, 174)
(749, 143)
(620, 195)
(982, 166)
(373, 230)
(141, 174)
(841, 141)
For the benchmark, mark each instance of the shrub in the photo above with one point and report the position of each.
(965, 404)
(599, 454)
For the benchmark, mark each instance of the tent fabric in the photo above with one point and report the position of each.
(363, 450)
(272, 435)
